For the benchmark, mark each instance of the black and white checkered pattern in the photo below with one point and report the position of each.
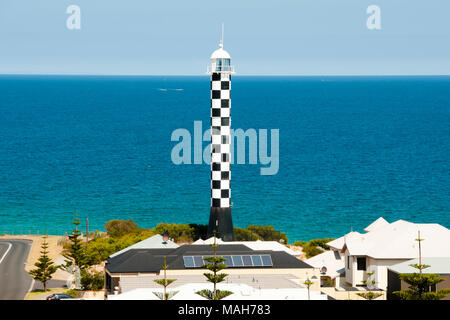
(220, 140)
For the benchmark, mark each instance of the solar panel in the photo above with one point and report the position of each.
(247, 261)
(188, 262)
(266, 260)
(198, 261)
(237, 261)
(228, 262)
(257, 261)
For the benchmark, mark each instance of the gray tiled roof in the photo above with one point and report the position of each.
(151, 260)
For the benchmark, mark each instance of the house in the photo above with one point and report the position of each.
(157, 241)
(262, 269)
(382, 245)
(439, 266)
(254, 245)
(240, 292)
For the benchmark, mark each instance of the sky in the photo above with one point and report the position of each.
(264, 37)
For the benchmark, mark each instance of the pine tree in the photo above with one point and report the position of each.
(165, 283)
(369, 283)
(44, 266)
(308, 283)
(215, 265)
(419, 283)
(76, 255)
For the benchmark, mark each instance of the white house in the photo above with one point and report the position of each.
(240, 292)
(382, 245)
(155, 242)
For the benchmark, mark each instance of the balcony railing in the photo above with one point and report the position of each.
(216, 68)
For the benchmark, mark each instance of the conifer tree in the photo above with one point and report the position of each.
(165, 283)
(44, 266)
(215, 265)
(370, 295)
(419, 283)
(308, 283)
(76, 255)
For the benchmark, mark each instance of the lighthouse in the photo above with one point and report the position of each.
(220, 69)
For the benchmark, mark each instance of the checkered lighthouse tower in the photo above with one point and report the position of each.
(220, 70)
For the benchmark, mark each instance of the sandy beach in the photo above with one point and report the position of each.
(54, 248)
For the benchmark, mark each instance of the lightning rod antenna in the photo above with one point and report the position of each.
(223, 28)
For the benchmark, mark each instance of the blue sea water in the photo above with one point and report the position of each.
(352, 149)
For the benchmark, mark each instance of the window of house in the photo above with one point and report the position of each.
(361, 262)
(348, 262)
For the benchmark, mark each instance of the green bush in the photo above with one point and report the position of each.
(73, 293)
(118, 228)
(241, 234)
(92, 280)
(314, 246)
(177, 232)
(268, 233)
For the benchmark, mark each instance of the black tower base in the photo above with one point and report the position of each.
(220, 221)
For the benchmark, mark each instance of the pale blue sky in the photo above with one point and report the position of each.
(301, 37)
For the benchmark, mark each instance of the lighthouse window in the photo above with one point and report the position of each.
(219, 65)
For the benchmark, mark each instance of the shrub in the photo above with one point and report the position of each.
(313, 247)
(177, 232)
(73, 293)
(268, 233)
(92, 280)
(241, 234)
(117, 228)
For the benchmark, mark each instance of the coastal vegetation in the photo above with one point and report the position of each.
(121, 234)
(313, 247)
(45, 267)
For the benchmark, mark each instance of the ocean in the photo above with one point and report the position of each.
(352, 149)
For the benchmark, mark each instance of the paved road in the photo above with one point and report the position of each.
(14, 280)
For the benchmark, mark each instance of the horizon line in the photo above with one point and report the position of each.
(239, 75)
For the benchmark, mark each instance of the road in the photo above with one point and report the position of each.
(14, 280)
